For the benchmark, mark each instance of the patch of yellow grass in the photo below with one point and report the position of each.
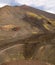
(33, 15)
(8, 27)
(46, 26)
(47, 19)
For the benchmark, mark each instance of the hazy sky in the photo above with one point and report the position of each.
(47, 5)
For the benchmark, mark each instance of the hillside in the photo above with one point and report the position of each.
(27, 33)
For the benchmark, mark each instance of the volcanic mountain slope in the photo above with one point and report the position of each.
(29, 21)
(16, 14)
(32, 29)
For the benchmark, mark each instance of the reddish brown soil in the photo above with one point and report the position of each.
(25, 62)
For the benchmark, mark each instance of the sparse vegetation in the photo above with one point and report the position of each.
(36, 35)
(9, 28)
(30, 14)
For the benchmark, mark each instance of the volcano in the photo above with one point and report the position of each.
(26, 33)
